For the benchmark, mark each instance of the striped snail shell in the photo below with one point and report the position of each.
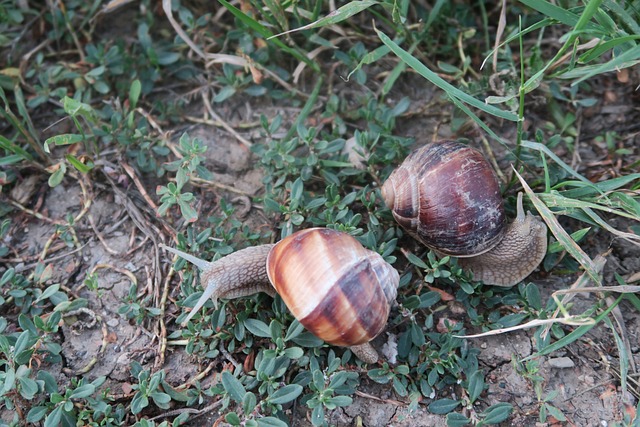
(335, 287)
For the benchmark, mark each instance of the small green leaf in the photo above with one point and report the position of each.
(28, 387)
(64, 139)
(232, 418)
(7, 276)
(50, 384)
(318, 380)
(161, 399)
(81, 167)
(429, 298)
(341, 400)
(48, 292)
(497, 413)
(532, 294)
(271, 422)
(555, 412)
(308, 340)
(285, 394)
(443, 406)
(249, 402)
(36, 414)
(24, 342)
(134, 93)
(317, 416)
(476, 385)
(294, 353)
(380, 375)
(138, 403)
(224, 94)
(296, 193)
(413, 259)
(258, 328)
(399, 387)
(173, 393)
(233, 386)
(58, 175)
(455, 419)
(402, 370)
(275, 330)
(8, 380)
(56, 398)
(188, 212)
(83, 391)
(74, 108)
(54, 418)
(294, 330)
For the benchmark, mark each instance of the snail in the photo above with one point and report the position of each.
(447, 196)
(336, 288)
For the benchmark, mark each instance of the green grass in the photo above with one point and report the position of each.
(118, 100)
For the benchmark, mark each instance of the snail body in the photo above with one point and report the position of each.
(336, 288)
(447, 196)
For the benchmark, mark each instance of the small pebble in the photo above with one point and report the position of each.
(113, 322)
(561, 363)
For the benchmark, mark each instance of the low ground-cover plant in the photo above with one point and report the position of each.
(324, 168)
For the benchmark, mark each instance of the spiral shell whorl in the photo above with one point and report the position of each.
(347, 296)
(447, 196)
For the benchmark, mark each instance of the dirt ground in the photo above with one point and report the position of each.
(101, 342)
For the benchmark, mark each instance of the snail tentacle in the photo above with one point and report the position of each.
(239, 274)
(200, 263)
(520, 215)
(521, 250)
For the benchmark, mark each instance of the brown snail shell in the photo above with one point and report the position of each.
(447, 196)
(336, 288)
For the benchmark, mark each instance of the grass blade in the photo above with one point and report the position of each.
(593, 189)
(451, 90)
(15, 149)
(581, 24)
(564, 16)
(544, 149)
(555, 200)
(560, 234)
(260, 29)
(538, 25)
(573, 335)
(338, 15)
(625, 60)
(599, 50)
(624, 15)
(477, 120)
(306, 110)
